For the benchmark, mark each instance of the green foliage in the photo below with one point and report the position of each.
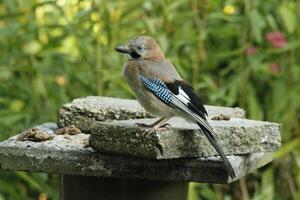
(54, 51)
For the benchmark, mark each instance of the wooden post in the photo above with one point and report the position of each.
(90, 187)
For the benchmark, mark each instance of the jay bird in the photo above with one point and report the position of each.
(161, 91)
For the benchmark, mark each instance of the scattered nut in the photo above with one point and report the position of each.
(221, 117)
(35, 135)
(69, 130)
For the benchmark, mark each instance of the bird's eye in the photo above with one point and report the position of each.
(139, 48)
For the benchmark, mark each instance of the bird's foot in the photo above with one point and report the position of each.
(144, 125)
(165, 125)
(150, 129)
(147, 133)
(152, 126)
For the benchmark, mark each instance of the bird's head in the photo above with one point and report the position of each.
(141, 48)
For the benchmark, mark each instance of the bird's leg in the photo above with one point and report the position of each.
(161, 123)
(157, 124)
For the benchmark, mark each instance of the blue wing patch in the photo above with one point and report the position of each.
(158, 88)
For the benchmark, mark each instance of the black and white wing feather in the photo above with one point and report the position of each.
(181, 96)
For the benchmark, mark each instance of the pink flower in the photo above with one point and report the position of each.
(277, 39)
(273, 68)
(251, 51)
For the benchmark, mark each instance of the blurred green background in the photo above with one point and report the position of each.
(234, 53)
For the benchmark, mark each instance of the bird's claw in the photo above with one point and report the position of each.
(165, 125)
(151, 125)
(144, 125)
(147, 133)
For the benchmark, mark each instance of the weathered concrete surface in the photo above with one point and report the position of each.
(183, 139)
(84, 112)
(68, 155)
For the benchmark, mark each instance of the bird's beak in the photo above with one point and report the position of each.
(123, 49)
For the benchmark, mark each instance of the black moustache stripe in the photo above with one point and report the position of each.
(135, 55)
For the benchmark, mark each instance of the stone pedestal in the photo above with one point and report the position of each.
(122, 163)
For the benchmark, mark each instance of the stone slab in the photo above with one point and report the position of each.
(84, 112)
(68, 155)
(183, 139)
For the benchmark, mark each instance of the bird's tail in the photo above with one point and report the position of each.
(219, 150)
